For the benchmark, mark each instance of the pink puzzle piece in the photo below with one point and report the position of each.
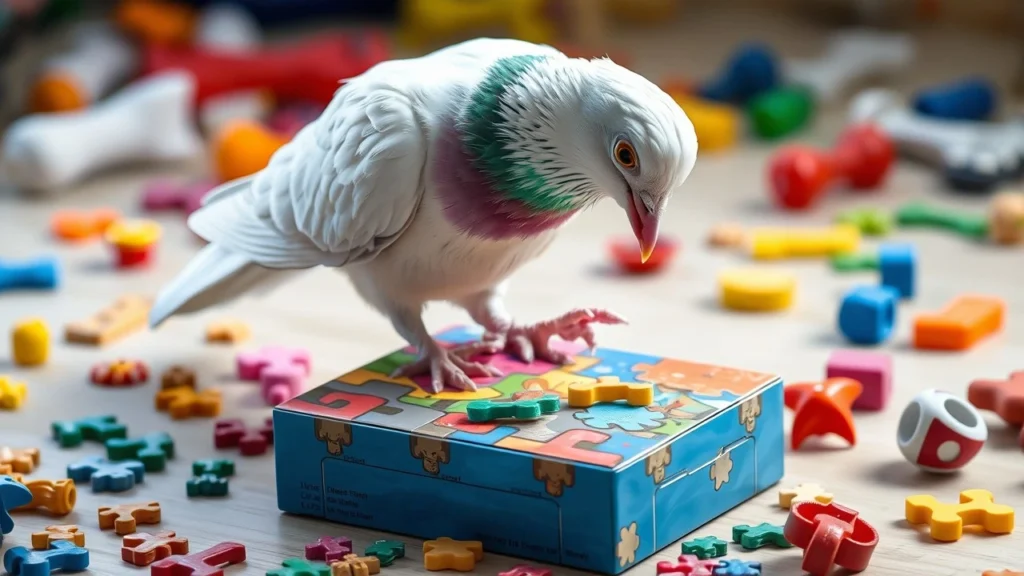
(280, 371)
(525, 570)
(872, 369)
(460, 422)
(166, 195)
(329, 549)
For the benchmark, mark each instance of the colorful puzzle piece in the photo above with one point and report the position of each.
(279, 370)
(737, 568)
(123, 518)
(329, 548)
(526, 570)
(12, 495)
(57, 496)
(250, 442)
(12, 393)
(754, 537)
(387, 550)
(119, 373)
(71, 433)
(205, 563)
(609, 389)
(153, 450)
(353, 565)
(50, 534)
(447, 554)
(822, 408)
(183, 402)
(227, 332)
(706, 547)
(628, 418)
(76, 225)
(517, 409)
(686, 565)
(946, 521)
(143, 548)
(566, 445)
(220, 467)
(206, 485)
(62, 555)
(22, 461)
(107, 476)
(178, 377)
(803, 493)
(300, 567)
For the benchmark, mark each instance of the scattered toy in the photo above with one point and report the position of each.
(898, 266)
(967, 99)
(250, 442)
(153, 450)
(870, 221)
(447, 554)
(300, 567)
(119, 373)
(71, 433)
(157, 21)
(946, 521)
(830, 534)
(201, 563)
(737, 568)
(867, 314)
(803, 493)
(1006, 218)
(329, 548)
(526, 570)
(718, 126)
(872, 369)
(30, 342)
(851, 56)
(386, 550)
(524, 409)
(36, 274)
(123, 518)
(1004, 397)
(55, 533)
(134, 241)
(754, 537)
(143, 548)
(706, 547)
(13, 494)
(425, 21)
(107, 476)
(178, 377)
(62, 555)
(609, 389)
(167, 195)
(924, 215)
(183, 402)
(227, 332)
(750, 71)
(756, 289)
(628, 258)
(58, 497)
(854, 262)
(961, 324)
(77, 226)
(779, 243)
(821, 408)
(126, 315)
(280, 371)
(12, 393)
(352, 565)
(244, 147)
(939, 432)
(206, 485)
(780, 112)
(220, 467)
(22, 461)
(686, 564)
(727, 236)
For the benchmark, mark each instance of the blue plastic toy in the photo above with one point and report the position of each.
(12, 495)
(737, 568)
(898, 265)
(107, 476)
(867, 314)
(38, 274)
(967, 99)
(750, 71)
(62, 555)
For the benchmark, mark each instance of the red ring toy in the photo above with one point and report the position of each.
(830, 534)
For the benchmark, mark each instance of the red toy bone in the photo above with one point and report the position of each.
(309, 71)
(830, 534)
(800, 174)
(687, 565)
(209, 562)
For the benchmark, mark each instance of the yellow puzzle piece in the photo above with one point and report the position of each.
(946, 521)
(756, 290)
(30, 342)
(803, 493)
(609, 389)
(778, 243)
(424, 20)
(447, 554)
(12, 393)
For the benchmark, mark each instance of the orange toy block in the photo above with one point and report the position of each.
(609, 389)
(57, 496)
(727, 235)
(354, 565)
(242, 148)
(126, 315)
(156, 21)
(50, 534)
(946, 521)
(75, 226)
(227, 331)
(447, 554)
(961, 324)
(821, 408)
(23, 461)
(1003, 573)
(123, 517)
(142, 548)
(184, 402)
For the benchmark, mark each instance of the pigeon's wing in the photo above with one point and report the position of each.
(341, 191)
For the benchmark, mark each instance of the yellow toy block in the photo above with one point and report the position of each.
(717, 125)
(756, 290)
(425, 20)
(775, 243)
(946, 521)
(12, 393)
(30, 341)
(609, 389)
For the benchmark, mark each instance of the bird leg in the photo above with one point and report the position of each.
(534, 341)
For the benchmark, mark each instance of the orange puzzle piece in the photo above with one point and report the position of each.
(959, 325)
(609, 389)
(227, 331)
(75, 225)
(126, 315)
(447, 554)
(57, 496)
(23, 461)
(946, 521)
(178, 377)
(142, 548)
(354, 565)
(821, 408)
(183, 402)
(123, 517)
(50, 534)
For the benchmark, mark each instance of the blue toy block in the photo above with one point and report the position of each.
(737, 568)
(752, 70)
(38, 274)
(898, 265)
(12, 495)
(968, 99)
(62, 555)
(107, 476)
(867, 314)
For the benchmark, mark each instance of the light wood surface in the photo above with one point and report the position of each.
(674, 314)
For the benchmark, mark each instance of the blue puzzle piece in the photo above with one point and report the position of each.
(62, 555)
(898, 263)
(968, 99)
(107, 476)
(737, 568)
(12, 495)
(867, 314)
(618, 363)
(752, 70)
(629, 418)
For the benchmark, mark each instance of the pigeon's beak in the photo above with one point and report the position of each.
(645, 225)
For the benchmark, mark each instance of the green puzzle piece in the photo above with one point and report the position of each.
(221, 467)
(71, 433)
(300, 567)
(780, 112)
(153, 450)
(870, 221)
(707, 547)
(206, 485)
(387, 551)
(854, 262)
(921, 214)
(524, 409)
(754, 537)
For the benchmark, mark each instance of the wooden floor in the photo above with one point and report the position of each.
(674, 314)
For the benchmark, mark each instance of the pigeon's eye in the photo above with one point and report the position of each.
(625, 155)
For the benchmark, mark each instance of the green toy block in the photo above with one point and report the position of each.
(524, 409)
(71, 433)
(780, 112)
(206, 485)
(153, 450)
(707, 547)
(854, 262)
(301, 567)
(754, 537)
(387, 551)
(921, 214)
(870, 221)
(220, 467)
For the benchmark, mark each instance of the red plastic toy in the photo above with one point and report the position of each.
(626, 255)
(799, 175)
(209, 562)
(822, 408)
(250, 442)
(830, 534)
(308, 71)
(119, 373)
(1004, 397)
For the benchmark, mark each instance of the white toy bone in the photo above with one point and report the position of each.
(99, 60)
(851, 56)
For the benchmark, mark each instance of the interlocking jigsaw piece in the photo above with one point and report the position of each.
(62, 555)
(387, 550)
(687, 565)
(205, 563)
(250, 442)
(153, 450)
(803, 493)
(12, 393)
(754, 537)
(22, 461)
(353, 565)
(57, 496)
(123, 518)
(219, 467)
(300, 567)
(737, 568)
(447, 554)
(107, 476)
(12, 495)
(522, 409)
(227, 332)
(143, 548)
(706, 547)
(71, 433)
(525, 570)
(329, 548)
(178, 377)
(206, 485)
(183, 402)
(946, 521)
(50, 534)
(609, 389)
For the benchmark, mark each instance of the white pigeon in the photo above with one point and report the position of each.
(434, 179)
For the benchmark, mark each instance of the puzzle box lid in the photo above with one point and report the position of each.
(686, 393)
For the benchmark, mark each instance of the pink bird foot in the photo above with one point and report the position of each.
(452, 367)
(534, 342)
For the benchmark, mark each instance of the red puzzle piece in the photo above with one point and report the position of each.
(460, 422)
(1004, 397)
(688, 565)
(209, 562)
(525, 570)
(830, 534)
(822, 408)
(251, 442)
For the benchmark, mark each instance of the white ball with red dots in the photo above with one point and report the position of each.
(940, 432)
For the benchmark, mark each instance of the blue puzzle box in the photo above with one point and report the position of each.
(599, 488)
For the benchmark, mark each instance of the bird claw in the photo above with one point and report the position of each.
(534, 342)
(452, 367)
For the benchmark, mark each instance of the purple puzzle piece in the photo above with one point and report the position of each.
(280, 371)
(166, 195)
(62, 555)
(329, 548)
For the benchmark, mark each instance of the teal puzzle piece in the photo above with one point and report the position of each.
(220, 467)
(524, 409)
(207, 485)
(300, 567)
(153, 450)
(387, 551)
(71, 433)
(754, 537)
(707, 547)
